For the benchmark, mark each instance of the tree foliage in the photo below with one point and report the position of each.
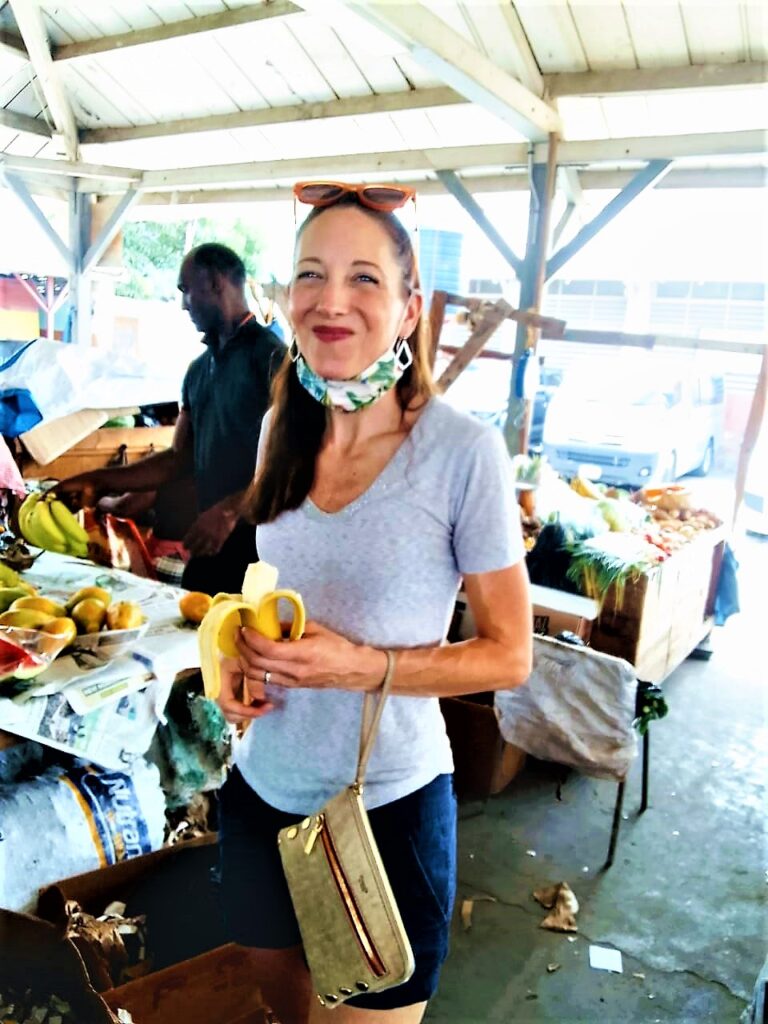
(153, 251)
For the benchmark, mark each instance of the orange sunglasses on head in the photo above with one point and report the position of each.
(384, 198)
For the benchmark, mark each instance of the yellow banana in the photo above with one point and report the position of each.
(75, 536)
(8, 576)
(44, 526)
(257, 609)
(26, 521)
(23, 514)
(586, 488)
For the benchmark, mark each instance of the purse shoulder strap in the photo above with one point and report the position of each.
(368, 732)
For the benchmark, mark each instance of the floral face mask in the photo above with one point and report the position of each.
(364, 389)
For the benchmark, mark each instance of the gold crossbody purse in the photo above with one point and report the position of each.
(351, 929)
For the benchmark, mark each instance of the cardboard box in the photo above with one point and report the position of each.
(159, 885)
(217, 986)
(666, 613)
(52, 438)
(555, 611)
(484, 762)
(197, 978)
(34, 955)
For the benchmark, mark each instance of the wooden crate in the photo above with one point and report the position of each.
(666, 613)
(94, 451)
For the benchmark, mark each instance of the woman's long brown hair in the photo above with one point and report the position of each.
(298, 422)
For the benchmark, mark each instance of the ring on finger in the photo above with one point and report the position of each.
(267, 678)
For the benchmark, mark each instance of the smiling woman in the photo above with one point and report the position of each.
(373, 498)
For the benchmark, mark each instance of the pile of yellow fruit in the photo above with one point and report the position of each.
(90, 610)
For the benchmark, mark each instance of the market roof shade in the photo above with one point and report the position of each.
(268, 64)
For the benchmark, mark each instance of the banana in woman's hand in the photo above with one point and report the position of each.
(256, 608)
(47, 523)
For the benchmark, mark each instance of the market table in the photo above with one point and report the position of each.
(100, 705)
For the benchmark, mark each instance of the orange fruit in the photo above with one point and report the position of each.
(194, 605)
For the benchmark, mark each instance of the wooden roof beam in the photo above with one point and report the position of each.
(438, 48)
(34, 166)
(458, 159)
(706, 177)
(633, 80)
(30, 23)
(176, 29)
(13, 45)
(24, 123)
(355, 106)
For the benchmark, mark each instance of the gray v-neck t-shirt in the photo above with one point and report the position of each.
(384, 570)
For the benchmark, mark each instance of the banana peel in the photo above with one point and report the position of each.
(256, 609)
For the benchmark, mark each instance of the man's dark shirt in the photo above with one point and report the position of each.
(225, 394)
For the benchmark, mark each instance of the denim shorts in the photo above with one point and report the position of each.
(416, 836)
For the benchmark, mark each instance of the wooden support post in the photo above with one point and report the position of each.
(550, 326)
(644, 179)
(19, 186)
(436, 318)
(493, 316)
(80, 279)
(531, 288)
(459, 191)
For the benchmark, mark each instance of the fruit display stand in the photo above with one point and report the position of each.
(75, 705)
(665, 613)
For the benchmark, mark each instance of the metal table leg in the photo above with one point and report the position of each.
(615, 826)
(646, 762)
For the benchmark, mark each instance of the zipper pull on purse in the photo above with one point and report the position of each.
(315, 830)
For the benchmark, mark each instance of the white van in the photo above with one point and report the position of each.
(634, 422)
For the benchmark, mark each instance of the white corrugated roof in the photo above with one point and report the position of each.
(603, 62)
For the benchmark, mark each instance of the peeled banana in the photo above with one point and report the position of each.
(47, 523)
(256, 608)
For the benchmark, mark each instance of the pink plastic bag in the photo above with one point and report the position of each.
(10, 477)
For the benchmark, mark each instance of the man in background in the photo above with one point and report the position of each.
(224, 397)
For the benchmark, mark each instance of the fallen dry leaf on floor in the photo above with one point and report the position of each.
(561, 900)
(468, 905)
(551, 968)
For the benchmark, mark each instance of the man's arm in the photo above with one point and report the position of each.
(210, 530)
(145, 475)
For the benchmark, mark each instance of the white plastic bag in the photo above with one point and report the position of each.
(577, 709)
(67, 821)
(67, 378)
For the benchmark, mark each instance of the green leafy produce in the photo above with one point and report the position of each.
(610, 560)
(549, 561)
(649, 707)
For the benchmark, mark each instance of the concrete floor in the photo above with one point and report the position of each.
(684, 900)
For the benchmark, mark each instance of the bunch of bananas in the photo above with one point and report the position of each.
(255, 608)
(47, 523)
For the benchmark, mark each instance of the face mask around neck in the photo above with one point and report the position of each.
(365, 388)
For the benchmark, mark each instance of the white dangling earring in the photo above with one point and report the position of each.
(403, 354)
(293, 349)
